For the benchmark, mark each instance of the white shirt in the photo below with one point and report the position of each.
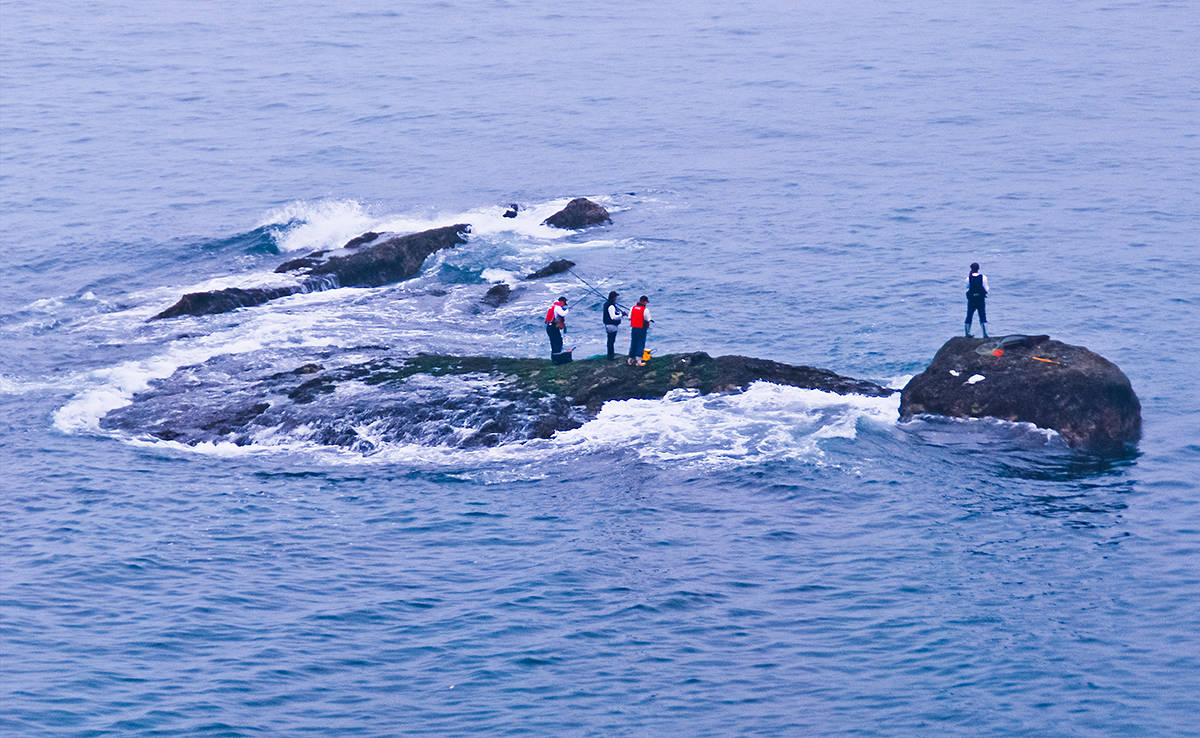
(614, 313)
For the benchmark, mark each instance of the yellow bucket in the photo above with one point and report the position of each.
(646, 355)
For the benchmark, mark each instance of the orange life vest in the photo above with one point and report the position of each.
(637, 317)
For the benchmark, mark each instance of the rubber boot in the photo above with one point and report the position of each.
(967, 330)
(983, 327)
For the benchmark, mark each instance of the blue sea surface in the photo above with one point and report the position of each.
(805, 182)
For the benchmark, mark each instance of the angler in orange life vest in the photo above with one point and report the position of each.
(556, 323)
(639, 323)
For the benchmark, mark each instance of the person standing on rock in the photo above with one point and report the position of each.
(977, 291)
(556, 324)
(639, 323)
(612, 321)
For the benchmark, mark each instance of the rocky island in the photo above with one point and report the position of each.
(1087, 399)
(1034, 379)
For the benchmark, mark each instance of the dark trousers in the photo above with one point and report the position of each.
(555, 338)
(612, 339)
(637, 342)
(974, 304)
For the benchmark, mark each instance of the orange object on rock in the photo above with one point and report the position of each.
(998, 352)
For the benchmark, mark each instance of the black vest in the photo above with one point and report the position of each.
(975, 286)
(608, 320)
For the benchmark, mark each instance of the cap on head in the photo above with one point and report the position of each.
(974, 266)
(612, 295)
(643, 298)
(562, 299)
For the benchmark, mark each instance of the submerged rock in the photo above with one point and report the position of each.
(555, 267)
(1031, 379)
(579, 213)
(390, 261)
(497, 295)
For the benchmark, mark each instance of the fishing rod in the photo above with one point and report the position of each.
(593, 288)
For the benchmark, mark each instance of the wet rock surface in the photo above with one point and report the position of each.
(497, 295)
(557, 266)
(459, 401)
(362, 240)
(579, 213)
(391, 260)
(1032, 379)
(222, 301)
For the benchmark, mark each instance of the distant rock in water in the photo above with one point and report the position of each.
(512, 211)
(1031, 379)
(222, 301)
(357, 241)
(579, 213)
(461, 401)
(392, 260)
(555, 267)
(497, 295)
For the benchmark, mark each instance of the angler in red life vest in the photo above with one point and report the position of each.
(639, 323)
(556, 324)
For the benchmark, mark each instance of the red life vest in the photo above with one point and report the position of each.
(550, 312)
(636, 316)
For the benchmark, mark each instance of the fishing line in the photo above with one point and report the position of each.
(593, 288)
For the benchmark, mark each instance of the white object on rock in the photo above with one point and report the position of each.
(975, 378)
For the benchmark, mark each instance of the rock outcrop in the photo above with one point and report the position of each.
(223, 301)
(390, 261)
(462, 401)
(579, 213)
(555, 267)
(497, 295)
(592, 382)
(362, 240)
(1031, 379)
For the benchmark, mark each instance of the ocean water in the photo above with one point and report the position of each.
(805, 182)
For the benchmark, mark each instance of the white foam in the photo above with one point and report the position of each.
(115, 386)
(321, 224)
(327, 224)
(499, 275)
(926, 423)
(767, 421)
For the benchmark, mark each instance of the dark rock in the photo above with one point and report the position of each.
(304, 262)
(592, 382)
(555, 267)
(223, 301)
(486, 401)
(357, 241)
(1033, 379)
(391, 261)
(512, 211)
(579, 213)
(497, 295)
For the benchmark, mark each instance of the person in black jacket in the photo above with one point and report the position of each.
(612, 321)
(977, 291)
